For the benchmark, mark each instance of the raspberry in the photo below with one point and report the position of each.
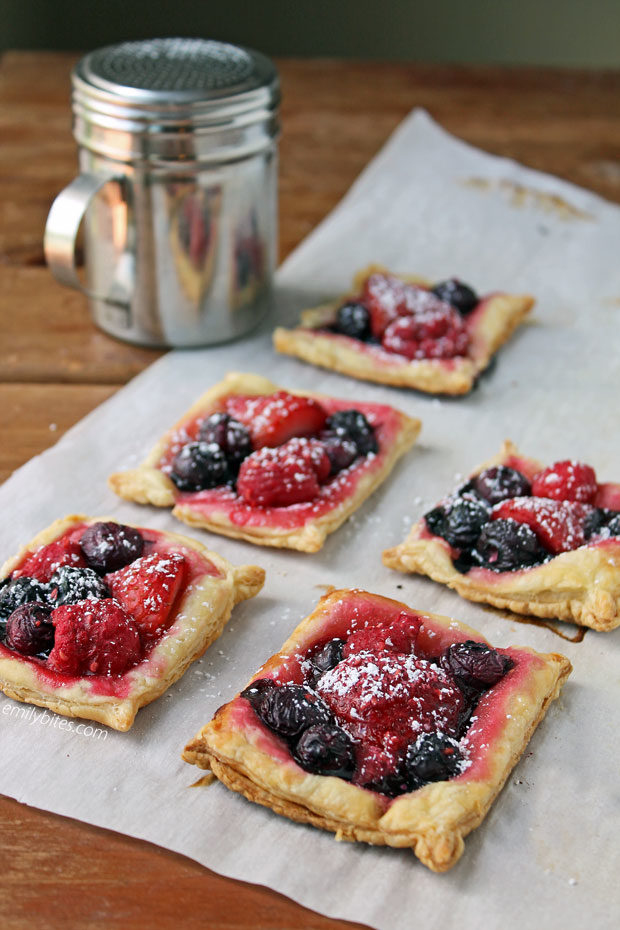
(384, 297)
(288, 474)
(147, 589)
(398, 636)
(437, 332)
(380, 768)
(566, 481)
(559, 525)
(391, 692)
(273, 419)
(96, 637)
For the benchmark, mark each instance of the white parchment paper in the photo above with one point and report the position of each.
(547, 854)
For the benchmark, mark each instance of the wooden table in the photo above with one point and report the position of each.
(55, 367)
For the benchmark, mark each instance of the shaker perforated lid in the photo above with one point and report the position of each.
(175, 70)
(175, 99)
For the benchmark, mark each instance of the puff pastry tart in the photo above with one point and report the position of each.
(382, 724)
(534, 540)
(98, 618)
(276, 468)
(400, 330)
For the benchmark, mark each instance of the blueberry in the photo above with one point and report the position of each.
(199, 466)
(353, 425)
(329, 655)
(325, 749)
(324, 659)
(255, 692)
(459, 295)
(613, 527)
(458, 521)
(353, 319)
(500, 483)
(505, 545)
(68, 585)
(17, 591)
(597, 522)
(433, 757)
(465, 560)
(110, 546)
(475, 665)
(230, 435)
(29, 630)
(341, 452)
(289, 709)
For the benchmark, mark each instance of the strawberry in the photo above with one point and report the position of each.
(288, 474)
(148, 587)
(93, 636)
(43, 563)
(566, 481)
(559, 525)
(273, 419)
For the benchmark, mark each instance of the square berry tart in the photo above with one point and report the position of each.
(382, 724)
(402, 330)
(269, 466)
(98, 618)
(531, 539)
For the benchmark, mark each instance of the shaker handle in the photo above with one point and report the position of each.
(61, 229)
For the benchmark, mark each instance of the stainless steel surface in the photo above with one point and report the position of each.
(180, 234)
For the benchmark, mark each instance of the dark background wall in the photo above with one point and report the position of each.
(548, 32)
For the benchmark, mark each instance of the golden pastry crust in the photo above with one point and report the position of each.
(494, 324)
(199, 617)
(147, 484)
(432, 820)
(582, 586)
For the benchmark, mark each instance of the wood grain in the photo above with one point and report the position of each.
(55, 366)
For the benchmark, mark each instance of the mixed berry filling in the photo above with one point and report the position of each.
(93, 602)
(506, 520)
(407, 319)
(376, 707)
(272, 450)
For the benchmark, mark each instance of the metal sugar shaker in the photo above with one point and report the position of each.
(177, 195)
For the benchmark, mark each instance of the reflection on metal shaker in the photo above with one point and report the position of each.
(177, 195)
